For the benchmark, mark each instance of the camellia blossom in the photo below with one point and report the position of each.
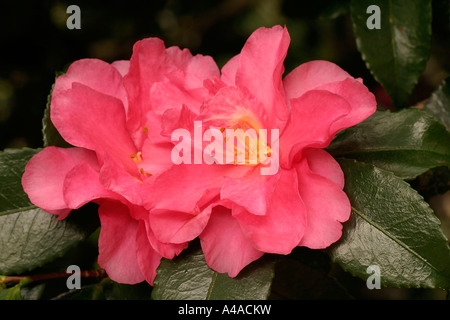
(120, 118)
(238, 213)
(103, 111)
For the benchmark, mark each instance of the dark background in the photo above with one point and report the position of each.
(35, 43)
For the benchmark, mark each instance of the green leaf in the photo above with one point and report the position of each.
(306, 274)
(408, 142)
(30, 237)
(14, 292)
(50, 134)
(393, 228)
(396, 54)
(439, 103)
(106, 289)
(188, 277)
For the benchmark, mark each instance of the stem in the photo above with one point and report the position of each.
(54, 275)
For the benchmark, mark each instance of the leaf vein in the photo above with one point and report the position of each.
(211, 286)
(400, 243)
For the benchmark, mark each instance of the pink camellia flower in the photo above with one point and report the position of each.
(103, 111)
(121, 117)
(238, 213)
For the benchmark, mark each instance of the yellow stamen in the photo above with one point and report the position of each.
(145, 173)
(253, 148)
(137, 158)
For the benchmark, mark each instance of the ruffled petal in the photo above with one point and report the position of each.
(252, 192)
(167, 250)
(261, 68)
(117, 243)
(178, 227)
(282, 227)
(96, 74)
(82, 185)
(183, 186)
(86, 118)
(231, 106)
(226, 248)
(191, 71)
(45, 175)
(312, 123)
(229, 71)
(123, 66)
(325, 75)
(327, 205)
(312, 75)
(127, 183)
(161, 78)
(148, 259)
(362, 102)
(145, 69)
(167, 95)
(323, 164)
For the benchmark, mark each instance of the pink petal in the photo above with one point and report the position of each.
(145, 69)
(82, 185)
(229, 71)
(95, 74)
(324, 75)
(362, 101)
(326, 206)
(281, 229)
(261, 69)
(123, 66)
(312, 75)
(312, 119)
(161, 78)
(166, 249)
(226, 248)
(46, 172)
(323, 164)
(191, 70)
(147, 258)
(126, 183)
(167, 95)
(183, 186)
(252, 192)
(180, 227)
(156, 157)
(89, 119)
(232, 105)
(117, 243)
(177, 118)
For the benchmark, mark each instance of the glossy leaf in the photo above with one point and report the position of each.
(306, 274)
(188, 277)
(397, 52)
(408, 142)
(393, 228)
(14, 292)
(30, 237)
(439, 103)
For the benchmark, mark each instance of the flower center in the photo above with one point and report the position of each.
(246, 143)
(137, 158)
